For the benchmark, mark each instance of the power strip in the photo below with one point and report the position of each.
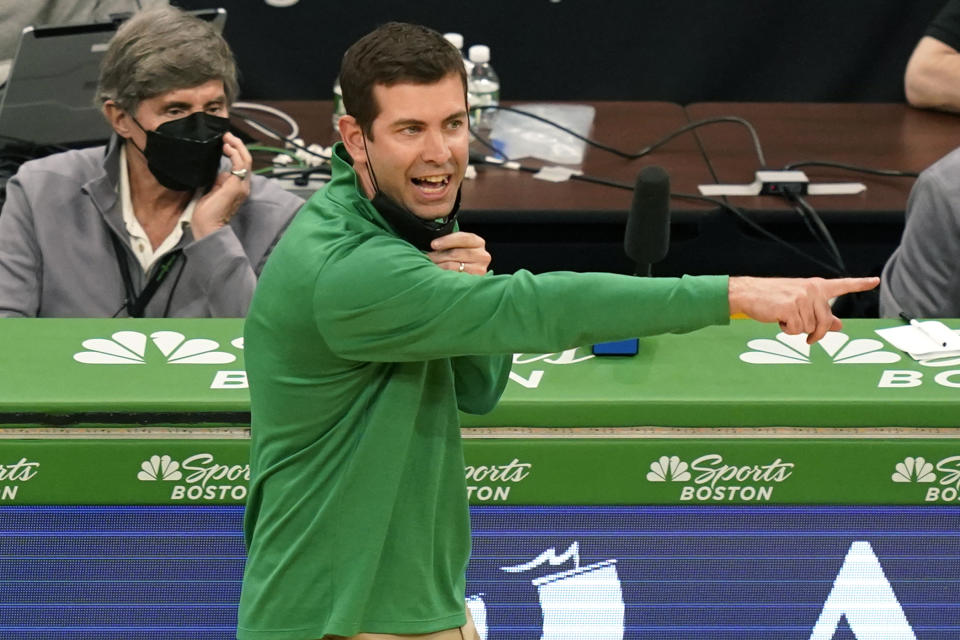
(782, 182)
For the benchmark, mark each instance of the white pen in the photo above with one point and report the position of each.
(913, 322)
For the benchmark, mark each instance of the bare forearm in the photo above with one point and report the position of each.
(932, 79)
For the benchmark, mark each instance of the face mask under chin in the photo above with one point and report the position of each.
(409, 226)
(184, 154)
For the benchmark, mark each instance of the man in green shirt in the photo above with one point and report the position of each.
(360, 352)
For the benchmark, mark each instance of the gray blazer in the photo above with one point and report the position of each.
(57, 258)
(922, 276)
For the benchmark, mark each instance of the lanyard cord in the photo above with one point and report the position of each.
(135, 304)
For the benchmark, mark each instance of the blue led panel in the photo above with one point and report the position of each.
(550, 573)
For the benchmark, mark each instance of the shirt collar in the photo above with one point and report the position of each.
(139, 242)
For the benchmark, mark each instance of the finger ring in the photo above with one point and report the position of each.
(240, 173)
(461, 268)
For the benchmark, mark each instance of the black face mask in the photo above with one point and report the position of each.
(409, 226)
(184, 154)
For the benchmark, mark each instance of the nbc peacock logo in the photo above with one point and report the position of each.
(668, 469)
(787, 349)
(131, 347)
(711, 478)
(199, 477)
(914, 470)
(942, 477)
(159, 468)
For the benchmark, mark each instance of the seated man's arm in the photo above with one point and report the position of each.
(922, 276)
(225, 271)
(932, 79)
(222, 274)
(21, 265)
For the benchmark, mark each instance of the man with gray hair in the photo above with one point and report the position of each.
(167, 219)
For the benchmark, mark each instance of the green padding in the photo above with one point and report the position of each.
(744, 375)
(518, 471)
(129, 366)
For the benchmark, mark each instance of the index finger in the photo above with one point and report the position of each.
(457, 240)
(232, 142)
(840, 286)
(231, 139)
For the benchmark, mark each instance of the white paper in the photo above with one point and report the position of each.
(557, 174)
(923, 342)
(752, 189)
(836, 188)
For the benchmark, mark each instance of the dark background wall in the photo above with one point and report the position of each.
(675, 50)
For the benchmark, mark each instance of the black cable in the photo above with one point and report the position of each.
(684, 196)
(305, 171)
(814, 223)
(489, 145)
(808, 223)
(822, 234)
(604, 181)
(759, 229)
(573, 176)
(699, 123)
(892, 173)
(279, 135)
(593, 143)
(693, 125)
(650, 148)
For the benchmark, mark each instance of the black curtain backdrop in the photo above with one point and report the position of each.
(674, 50)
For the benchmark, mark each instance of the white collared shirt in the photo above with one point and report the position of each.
(139, 241)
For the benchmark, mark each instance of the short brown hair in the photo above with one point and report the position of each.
(393, 53)
(162, 50)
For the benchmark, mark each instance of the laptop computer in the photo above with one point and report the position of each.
(49, 96)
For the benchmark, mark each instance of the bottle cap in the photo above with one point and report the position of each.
(479, 53)
(455, 39)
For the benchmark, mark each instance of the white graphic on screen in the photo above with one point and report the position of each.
(130, 347)
(862, 594)
(913, 470)
(478, 611)
(582, 603)
(787, 349)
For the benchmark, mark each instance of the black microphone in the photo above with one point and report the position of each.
(647, 237)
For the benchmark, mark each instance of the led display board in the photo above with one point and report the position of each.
(719, 572)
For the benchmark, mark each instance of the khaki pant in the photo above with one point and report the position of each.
(466, 632)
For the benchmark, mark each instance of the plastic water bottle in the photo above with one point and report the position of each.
(483, 88)
(338, 109)
(456, 40)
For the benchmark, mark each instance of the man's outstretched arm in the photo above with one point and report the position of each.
(800, 305)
